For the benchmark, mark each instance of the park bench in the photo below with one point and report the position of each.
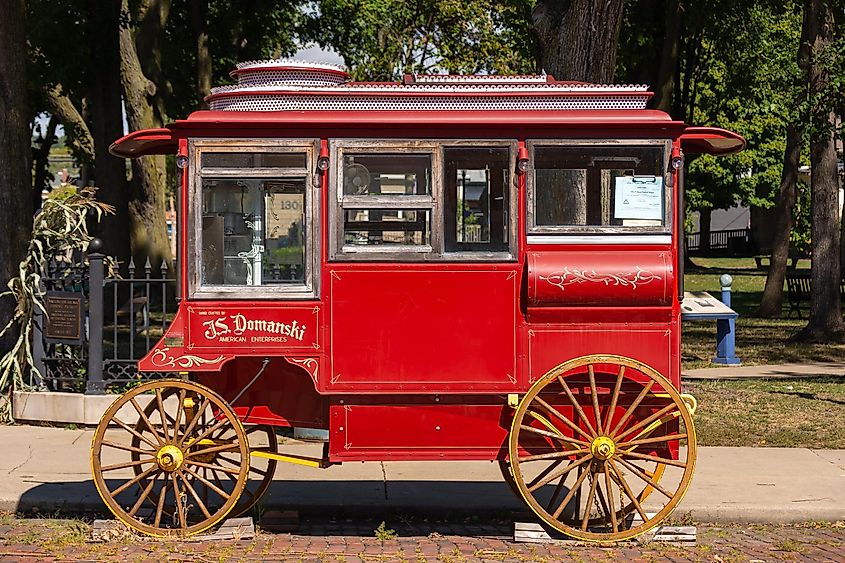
(798, 290)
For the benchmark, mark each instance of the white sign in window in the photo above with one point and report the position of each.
(638, 197)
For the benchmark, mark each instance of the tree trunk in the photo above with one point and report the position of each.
(149, 231)
(41, 163)
(105, 116)
(15, 181)
(577, 39)
(704, 229)
(665, 84)
(199, 24)
(770, 305)
(825, 323)
(78, 136)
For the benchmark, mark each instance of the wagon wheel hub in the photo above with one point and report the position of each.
(169, 458)
(603, 448)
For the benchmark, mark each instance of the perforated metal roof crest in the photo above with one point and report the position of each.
(290, 85)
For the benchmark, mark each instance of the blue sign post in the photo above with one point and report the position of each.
(726, 329)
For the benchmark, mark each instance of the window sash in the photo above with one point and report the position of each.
(597, 230)
(309, 289)
(339, 251)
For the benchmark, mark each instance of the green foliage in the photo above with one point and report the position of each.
(59, 228)
(383, 533)
(749, 84)
(383, 39)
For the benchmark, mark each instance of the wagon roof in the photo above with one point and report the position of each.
(296, 98)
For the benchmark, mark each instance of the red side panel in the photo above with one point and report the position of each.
(427, 327)
(419, 428)
(621, 278)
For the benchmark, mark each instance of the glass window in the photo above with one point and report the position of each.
(253, 231)
(368, 227)
(599, 185)
(476, 199)
(387, 174)
(253, 160)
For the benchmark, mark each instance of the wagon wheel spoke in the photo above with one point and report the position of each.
(552, 455)
(627, 488)
(614, 399)
(608, 485)
(656, 417)
(577, 407)
(566, 421)
(551, 467)
(162, 495)
(655, 440)
(143, 416)
(127, 464)
(209, 484)
(126, 448)
(194, 494)
(591, 497)
(180, 408)
(559, 473)
(644, 457)
(642, 395)
(194, 421)
(134, 432)
(595, 397)
(571, 492)
(132, 481)
(639, 473)
(160, 403)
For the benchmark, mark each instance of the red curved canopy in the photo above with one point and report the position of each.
(711, 140)
(144, 142)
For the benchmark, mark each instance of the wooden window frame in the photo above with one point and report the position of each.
(435, 250)
(309, 289)
(596, 233)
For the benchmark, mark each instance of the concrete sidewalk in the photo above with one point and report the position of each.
(774, 371)
(48, 469)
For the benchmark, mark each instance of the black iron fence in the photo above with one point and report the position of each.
(730, 241)
(122, 318)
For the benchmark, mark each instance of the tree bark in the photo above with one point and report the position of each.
(41, 161)
(577, 39)
(825, 323)
(199, 24)
(105, 117)
(76, 130)
(772, 301)
(15, 181)
(704, 215)
(664, 87)
(149, 231)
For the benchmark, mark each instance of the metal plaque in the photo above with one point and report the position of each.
(63, 322)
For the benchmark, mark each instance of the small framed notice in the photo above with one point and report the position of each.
(63, 322)
(638, 197)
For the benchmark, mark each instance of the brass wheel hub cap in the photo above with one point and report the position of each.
(169, 458)
(603, 448)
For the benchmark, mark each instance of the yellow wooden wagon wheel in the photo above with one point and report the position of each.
(261, 437)
(182, 487)
(593, 438)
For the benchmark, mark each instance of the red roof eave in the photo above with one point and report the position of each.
(711, 140)
(145, 142)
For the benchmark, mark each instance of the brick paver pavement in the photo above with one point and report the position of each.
(416, 539)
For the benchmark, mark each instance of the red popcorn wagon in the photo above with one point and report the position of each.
(444, 268)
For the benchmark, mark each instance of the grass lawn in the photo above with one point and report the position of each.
(758, 341)
(806, 413)
(789, 413)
